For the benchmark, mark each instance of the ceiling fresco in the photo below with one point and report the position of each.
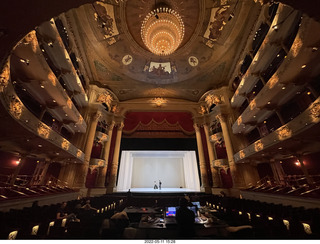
(215, 35)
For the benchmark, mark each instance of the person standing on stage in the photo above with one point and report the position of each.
(160, 184)
(155, 185)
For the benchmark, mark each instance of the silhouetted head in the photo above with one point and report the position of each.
(183, 202)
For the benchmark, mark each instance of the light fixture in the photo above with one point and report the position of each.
(303, 66)
(25, 61)
(162, 31)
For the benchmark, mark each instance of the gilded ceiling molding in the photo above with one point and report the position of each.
(106, 98)
(159, 101)
(212, 99)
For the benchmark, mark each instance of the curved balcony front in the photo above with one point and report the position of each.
(286, 18)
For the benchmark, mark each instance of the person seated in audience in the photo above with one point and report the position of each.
(118, 222)
(88, 206)
(62, 214)
(185, 219)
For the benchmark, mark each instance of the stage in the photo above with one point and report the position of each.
(157, 191)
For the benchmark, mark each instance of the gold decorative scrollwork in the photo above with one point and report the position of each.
(273, 81)
(4, 77)
(16, 108)
(315, 110)
(202, 110)
(52, 78)
(105, 98)
(79, 153)
(296, 46)
(212, 99)
(242, 154)
(43, 130)
(65, 144)
(258, 146)
(284, 132)
(31, 39)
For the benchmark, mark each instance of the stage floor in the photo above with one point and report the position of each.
(163, 190)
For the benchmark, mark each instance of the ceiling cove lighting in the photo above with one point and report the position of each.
(162, 31)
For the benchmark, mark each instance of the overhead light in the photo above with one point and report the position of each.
(283, 88)
(309, 93)
(162, 31)
(231, 16)
(54, 101)
(42, 86)
(269, 102)
(303, 66)
(280, 148)
(39, 145)
(25, 61)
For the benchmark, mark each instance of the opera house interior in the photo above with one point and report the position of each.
(117, 116)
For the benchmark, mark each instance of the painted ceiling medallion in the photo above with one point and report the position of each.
(162, 31)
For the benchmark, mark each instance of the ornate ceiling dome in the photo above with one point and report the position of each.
(162, 31)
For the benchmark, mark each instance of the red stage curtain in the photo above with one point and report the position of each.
(133, 118)
(91, 178)
(226, 178)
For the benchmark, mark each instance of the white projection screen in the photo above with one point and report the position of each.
(175, 169)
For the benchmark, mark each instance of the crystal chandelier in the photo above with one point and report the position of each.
(162, 31)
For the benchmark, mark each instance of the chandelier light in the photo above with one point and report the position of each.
(162, 31)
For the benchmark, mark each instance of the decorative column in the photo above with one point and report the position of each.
(277, 171)
(229, 149)
(214, 172)
(115, 163)
(88, 148)
(103, 170)
(203, 168)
